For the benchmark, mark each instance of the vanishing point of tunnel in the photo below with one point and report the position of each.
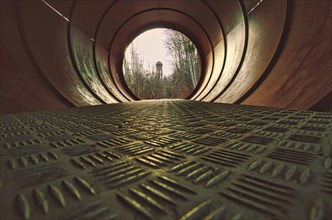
(253, 140)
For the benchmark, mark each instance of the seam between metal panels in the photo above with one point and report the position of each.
(225, 46)
(275, 57)
(94, 50)
(246, 30)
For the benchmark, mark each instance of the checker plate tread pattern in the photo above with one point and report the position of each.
(167, 159)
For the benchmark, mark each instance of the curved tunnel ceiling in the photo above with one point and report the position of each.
(253, 51)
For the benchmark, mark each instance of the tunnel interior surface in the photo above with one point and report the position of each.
(167, 160)
(57, 54)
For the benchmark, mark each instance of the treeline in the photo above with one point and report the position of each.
(146, 84)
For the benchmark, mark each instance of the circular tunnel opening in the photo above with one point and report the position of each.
(162, 63)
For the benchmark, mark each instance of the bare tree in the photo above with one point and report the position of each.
(185, 62)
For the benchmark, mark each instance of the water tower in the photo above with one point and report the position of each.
(159, 68)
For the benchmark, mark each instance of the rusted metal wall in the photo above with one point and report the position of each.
(264, 31)
(267, 53)
(302, 74)
(48, 42)
(23, 87)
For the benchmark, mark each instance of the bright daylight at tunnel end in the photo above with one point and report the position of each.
(161, 64)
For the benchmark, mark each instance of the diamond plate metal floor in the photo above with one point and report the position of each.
(166, 160)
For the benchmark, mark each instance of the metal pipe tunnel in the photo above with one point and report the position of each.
(57, 54)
